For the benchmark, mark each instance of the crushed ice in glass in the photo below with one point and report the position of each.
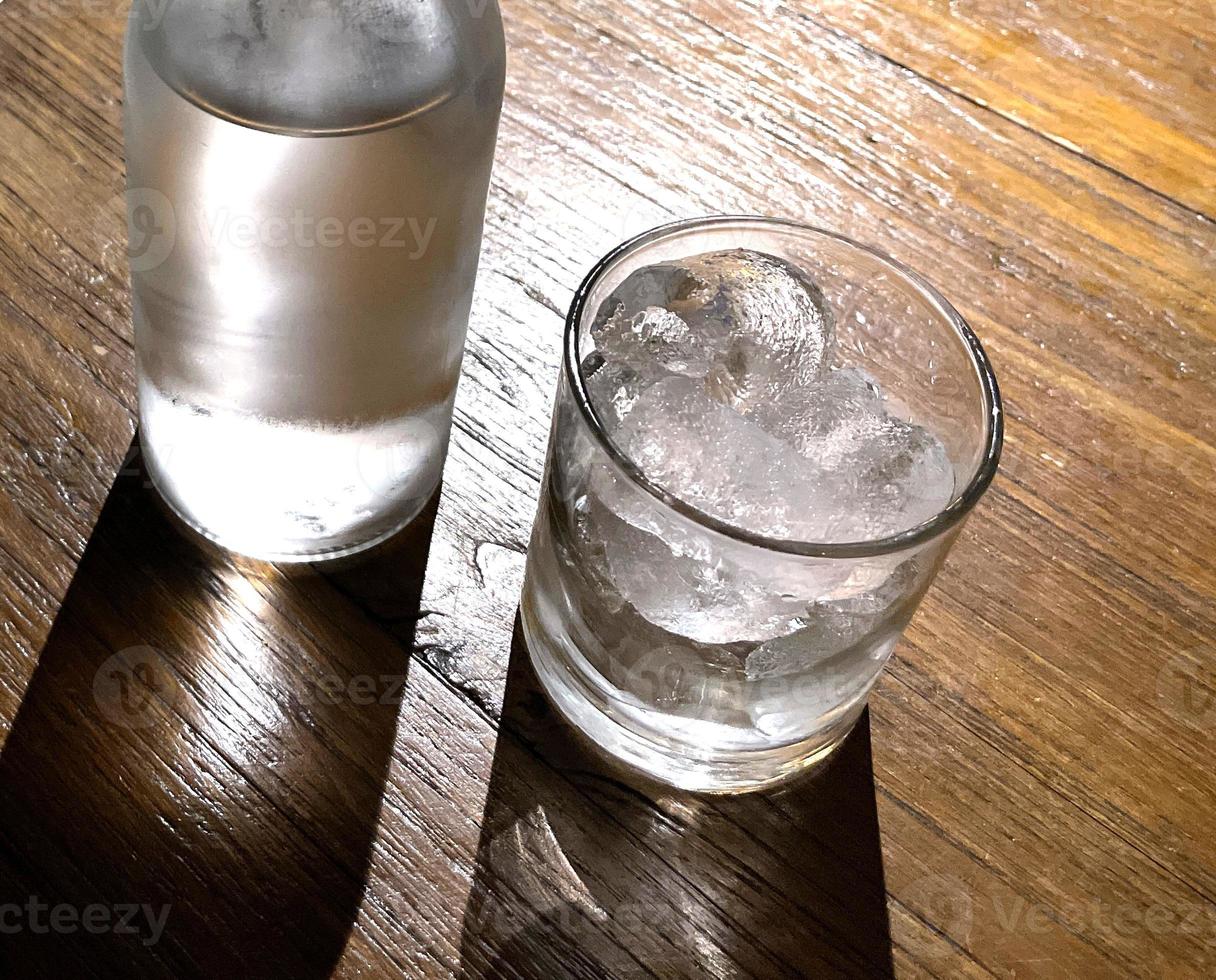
(718, 376)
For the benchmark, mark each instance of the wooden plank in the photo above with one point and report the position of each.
(238, 751)
(1075, 586)
(1128, 83)
(66, 370)
(215, 741)
(1035, 754)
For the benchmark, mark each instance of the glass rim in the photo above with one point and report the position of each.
(945, 519)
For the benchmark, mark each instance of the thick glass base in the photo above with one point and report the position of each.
(656, 750)
(250, 550)
(290, 492)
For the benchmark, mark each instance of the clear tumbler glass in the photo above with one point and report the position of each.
(701, 698)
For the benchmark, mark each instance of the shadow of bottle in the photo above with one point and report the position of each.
(583, 870)
(192, 783)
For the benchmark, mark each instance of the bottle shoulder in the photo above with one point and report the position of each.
(320, 67)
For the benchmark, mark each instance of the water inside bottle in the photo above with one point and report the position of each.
(300, 298)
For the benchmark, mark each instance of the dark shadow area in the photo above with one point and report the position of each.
(584, 871)
(192, 784)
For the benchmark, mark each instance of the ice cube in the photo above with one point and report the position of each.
(817, 672)
(653, 341)
(889, 475)
(683, 584)
(813, 410)
(613, 388)
(751, 324)
(802, 688)
(855, 618)
(694, 582)
(664, 284)
(878, 474)
(825, 633)
(715, 459)
(691, 680)
(775, 325)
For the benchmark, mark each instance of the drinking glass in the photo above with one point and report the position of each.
(698, 699)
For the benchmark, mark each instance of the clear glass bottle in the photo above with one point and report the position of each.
(306, 189)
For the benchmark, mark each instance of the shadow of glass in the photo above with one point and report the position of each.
(192, 784)
(585, 871)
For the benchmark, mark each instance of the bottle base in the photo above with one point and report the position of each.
(683, 765)
(290, 491)
(301, 555)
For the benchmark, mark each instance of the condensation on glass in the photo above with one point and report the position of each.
(306, 189)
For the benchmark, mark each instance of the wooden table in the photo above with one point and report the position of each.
(348, 769)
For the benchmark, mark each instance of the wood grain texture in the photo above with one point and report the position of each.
(1036, 799)
(1129, 83)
